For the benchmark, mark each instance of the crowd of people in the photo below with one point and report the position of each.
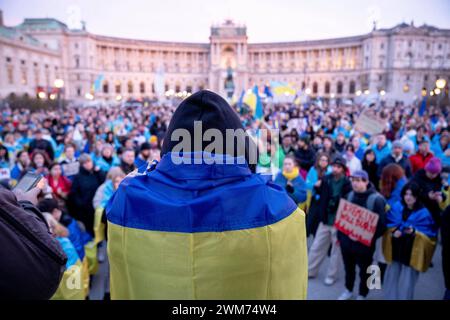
(317, 156)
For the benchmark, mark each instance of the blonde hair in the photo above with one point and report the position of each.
(115, 172)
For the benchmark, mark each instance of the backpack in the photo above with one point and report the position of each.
(370, 203)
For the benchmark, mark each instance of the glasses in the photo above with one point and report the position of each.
(324, 160)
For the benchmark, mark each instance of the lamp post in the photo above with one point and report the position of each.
(59, 84)
(440, 85)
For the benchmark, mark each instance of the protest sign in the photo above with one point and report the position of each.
(369, 122)
(358, 223)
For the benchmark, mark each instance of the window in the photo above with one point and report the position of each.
(118, 87)
(327, 87)
(339, 87)
(380, 77)
(130, 87)
(142, 87)
(177, 88)
(10, 72)
(303, 85)
(24, 79)
(79, 91)
(105, 87)
(22, 62)
(189, 89)
(382, 46)
(36, 77)
(425, 77)
(8, 59)
(439, 46)
(77, 62)
(166, 87)
(315, 88)
(351, 89)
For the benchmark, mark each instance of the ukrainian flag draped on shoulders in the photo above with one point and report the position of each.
(205, 228)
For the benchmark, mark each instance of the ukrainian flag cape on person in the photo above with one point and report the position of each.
(205, 231)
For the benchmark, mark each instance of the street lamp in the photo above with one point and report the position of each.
(42, 95)
(59, 84)
(440, 83)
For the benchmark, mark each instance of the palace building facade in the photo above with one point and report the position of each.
(398, 61)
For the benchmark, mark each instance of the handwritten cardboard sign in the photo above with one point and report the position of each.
(358, 223)
(369, 122)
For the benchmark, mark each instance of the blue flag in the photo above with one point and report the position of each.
(423, 106)
(267, 91)
(241, 99)
(259, 107)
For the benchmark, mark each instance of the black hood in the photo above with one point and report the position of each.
(214, 113)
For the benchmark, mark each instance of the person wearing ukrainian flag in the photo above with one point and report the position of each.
(202, 224)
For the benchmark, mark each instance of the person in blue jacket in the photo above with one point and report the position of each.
(382, 148)
(291, 180)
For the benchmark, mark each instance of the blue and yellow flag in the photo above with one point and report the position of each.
(282, 88)
(205, 231)
(97, 86)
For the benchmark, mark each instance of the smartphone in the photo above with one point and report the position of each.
(28, 181)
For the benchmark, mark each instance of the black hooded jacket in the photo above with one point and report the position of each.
(379, 207)
(212, 112)
(32, 262)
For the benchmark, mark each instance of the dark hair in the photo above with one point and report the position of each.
(48, 205)
(293, 160)
(350, 146)
(54, 164)
(70, 145)
(321, 172)
(415, 190)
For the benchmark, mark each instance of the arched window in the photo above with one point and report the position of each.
(327, 87)
(118, 87)
(315, 88)
(339, 87)
(105, 87)
(130, 87)
(142, 87)
(352, 87)
(189, 89)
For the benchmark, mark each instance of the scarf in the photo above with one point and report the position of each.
(291, 175)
